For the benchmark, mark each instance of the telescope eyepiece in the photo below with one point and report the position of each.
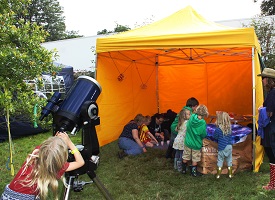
(50, 105)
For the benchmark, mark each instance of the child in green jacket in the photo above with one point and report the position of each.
(195, 133)
(192, 103)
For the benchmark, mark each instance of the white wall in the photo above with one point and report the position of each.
(235, 22)
(76, 52)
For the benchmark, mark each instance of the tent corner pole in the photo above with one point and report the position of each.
(253, 109)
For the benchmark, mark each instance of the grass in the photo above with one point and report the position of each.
(148, 176)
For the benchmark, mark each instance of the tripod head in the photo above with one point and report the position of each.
(67, 113)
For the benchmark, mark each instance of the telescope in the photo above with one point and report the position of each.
(78, 111)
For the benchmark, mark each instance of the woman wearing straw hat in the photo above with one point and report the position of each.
(268, 140)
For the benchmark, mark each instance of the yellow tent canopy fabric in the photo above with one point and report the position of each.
(183, 29)
(159, 66)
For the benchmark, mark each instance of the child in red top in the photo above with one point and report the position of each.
(145, 136)
(43, 168)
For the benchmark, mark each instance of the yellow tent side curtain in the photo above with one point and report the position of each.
(243, 37)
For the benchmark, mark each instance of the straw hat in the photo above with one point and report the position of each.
(268, 72)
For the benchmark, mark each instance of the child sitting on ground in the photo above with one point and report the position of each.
(178, 144)
(195, 133)
(145, 136)
(223, 135)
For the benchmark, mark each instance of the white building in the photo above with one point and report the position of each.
(242, 22)
(77, 52)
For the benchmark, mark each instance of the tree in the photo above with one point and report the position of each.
(268, 7)
(265, 31)
(103, 32)
(47, 14)
(119, 28)
(21, 58)
(71, 34)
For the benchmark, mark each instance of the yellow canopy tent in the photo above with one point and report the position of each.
(159, 66)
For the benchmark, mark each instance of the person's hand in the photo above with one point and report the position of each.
(64, 136)
(260, 107)
(144, 150)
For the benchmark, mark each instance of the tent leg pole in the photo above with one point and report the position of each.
(253, 109)
(157, 82)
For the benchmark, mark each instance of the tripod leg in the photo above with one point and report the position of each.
(68, 188)
(99, 185)
(102, 189)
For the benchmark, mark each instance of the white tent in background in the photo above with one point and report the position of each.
(76, 52)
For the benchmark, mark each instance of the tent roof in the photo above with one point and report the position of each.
(183, 29)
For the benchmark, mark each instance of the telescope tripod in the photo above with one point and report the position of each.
(77, 186)
(79, 110)
(89, 150)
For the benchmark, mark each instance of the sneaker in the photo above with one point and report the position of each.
(121, 154)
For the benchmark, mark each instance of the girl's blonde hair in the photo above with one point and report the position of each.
(223, 122)
(147, 119)
(52, 156)
(183, 116)
(202, 111)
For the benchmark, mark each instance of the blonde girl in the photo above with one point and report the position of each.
(43, 168)
(178, 144)
(223, 135)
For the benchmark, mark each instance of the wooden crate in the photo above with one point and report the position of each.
(242, 156)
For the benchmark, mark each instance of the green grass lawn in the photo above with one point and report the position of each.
(148, 176)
